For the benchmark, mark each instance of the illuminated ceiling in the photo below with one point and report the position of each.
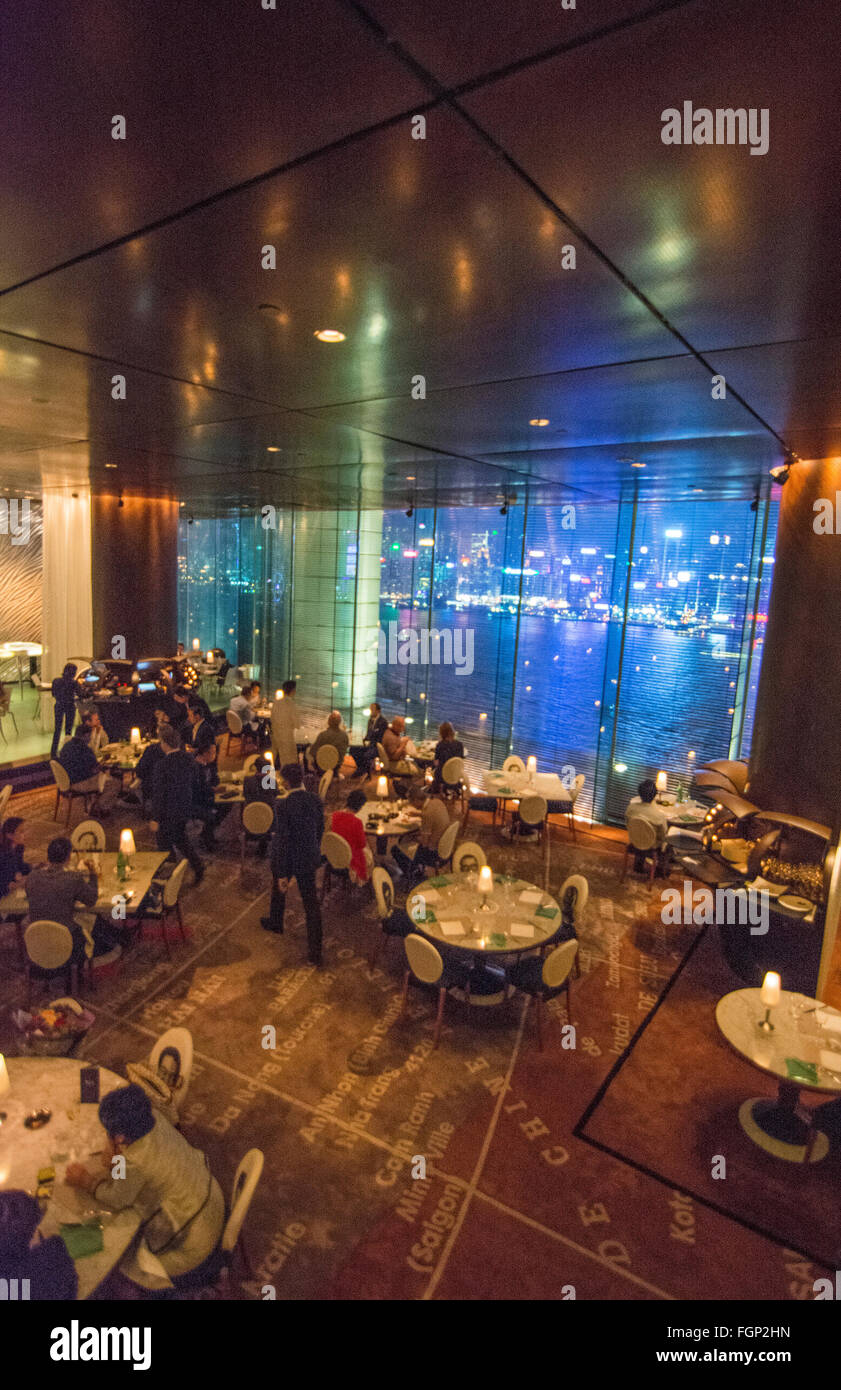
(441, 258)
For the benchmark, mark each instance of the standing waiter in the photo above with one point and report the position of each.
(64, 694)
(296, 853)
(172, 799)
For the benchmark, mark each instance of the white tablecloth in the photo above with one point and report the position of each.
(52, 1083)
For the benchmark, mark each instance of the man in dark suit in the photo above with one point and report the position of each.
(364, 754)
(177, 709)
(296, 853)
(55, 892)
(199, 733)
(172, 800)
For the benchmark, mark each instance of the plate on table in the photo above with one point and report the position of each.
(794, 904)
(761, 885)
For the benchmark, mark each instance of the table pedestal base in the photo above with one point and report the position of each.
(775, 1126)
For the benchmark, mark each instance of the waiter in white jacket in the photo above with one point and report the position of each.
(285, 720)
(181, 1204)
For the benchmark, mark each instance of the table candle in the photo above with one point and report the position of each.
(127, 842)
(486, 880)
(531, 767)
(134, 737)
(382, 788)
(196, 644)
(209, 657)
(278, 694)
(662, 781)
(5, 1083)
(770, 992)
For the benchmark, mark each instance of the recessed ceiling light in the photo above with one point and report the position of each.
(538, 422)
(329, 335)
(410, 477)
(272, 449)
(638, 465)
(110, 465)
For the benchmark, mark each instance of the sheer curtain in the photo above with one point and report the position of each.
(66, 584)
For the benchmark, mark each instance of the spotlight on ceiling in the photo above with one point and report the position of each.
(120, 502)
(272, 448)
(503, 511)
(538, 422)
(329, 335)
(410, 510)
(781, 472)
(190, 520)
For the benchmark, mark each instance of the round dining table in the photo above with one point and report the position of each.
(72, 1134)
(388, 820)
(451, 912)
(801, 1051)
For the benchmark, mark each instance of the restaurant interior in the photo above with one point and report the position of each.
(381, 359)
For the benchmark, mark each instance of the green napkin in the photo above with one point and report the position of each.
(85, 1239)
(429, 916)
(498, 939)
(801, 1071)
(437, 882)
(545, 912)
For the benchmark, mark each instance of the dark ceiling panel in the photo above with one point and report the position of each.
(456, 42)
(733, 248)
(213, 92)
(428, 254)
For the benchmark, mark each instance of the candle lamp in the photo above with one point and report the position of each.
(134, 737)
(382, 788)
(770, 996)
(531, 768)
(278, 694)
(196, 644)
(208, 657)
(662, 783)
(485, 886)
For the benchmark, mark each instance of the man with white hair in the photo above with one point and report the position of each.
(334, 736)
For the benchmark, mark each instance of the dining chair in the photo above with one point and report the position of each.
(218, 1265)
(452, 776)
(172, 1058)
(572, 897)
(236, 729)
(5, 797)
(324, 783)
(6, 709)
(468, 856)
(642, 839)
(514, 764)
(168, 907)
(49, 948)
(257, 822)
(446, 845)
(327, 758)
(337, 855)
(566, 807)
(426, 965)
(64, 789)
(543, 980)
(394, 922)
(88, 835)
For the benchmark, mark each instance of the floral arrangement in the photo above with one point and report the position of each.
(53, 1029)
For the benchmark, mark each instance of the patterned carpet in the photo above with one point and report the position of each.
(585, 1168)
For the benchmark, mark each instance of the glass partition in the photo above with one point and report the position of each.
(610, 639)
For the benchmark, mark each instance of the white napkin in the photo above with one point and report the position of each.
(831, 1061)
(149, 1263)
(830, 1021)
(521, 929)
(530, 896)
(452, 928)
